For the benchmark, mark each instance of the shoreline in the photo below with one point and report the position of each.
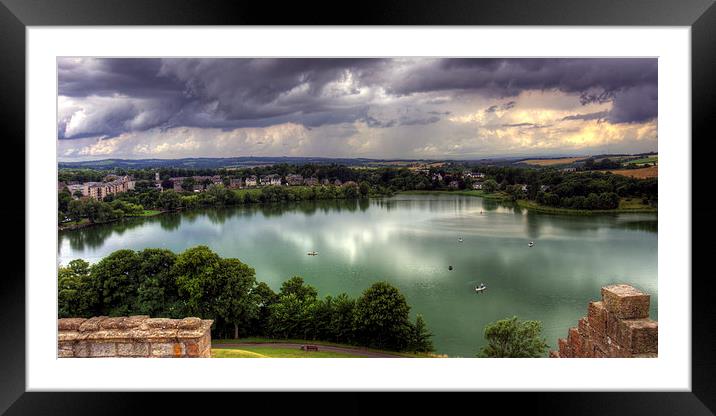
(522, 203)
(534, 206)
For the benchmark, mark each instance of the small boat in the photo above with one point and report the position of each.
(449, 267)
(531, 243)
(459, 240)
(312, 253)
(481, 288)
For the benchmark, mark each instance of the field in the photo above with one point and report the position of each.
(651, 159)
(272, 352)
(642, 173)
(552, 162)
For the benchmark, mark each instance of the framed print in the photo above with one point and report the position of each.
(434, 191)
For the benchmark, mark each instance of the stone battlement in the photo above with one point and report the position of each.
(618, 326)
(134, 336)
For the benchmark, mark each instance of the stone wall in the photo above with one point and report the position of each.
(618, 326)
(134, 336)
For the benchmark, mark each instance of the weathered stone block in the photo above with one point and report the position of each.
(639, 336)
(161, 323)
(564, 350)
(597, 316)
(192, 349)
(69, 324)
(615, 351)
(189, 323)
(65, 349)
(612, 325)
(81, 349)
(626, 302)
(103, 349)
(124, 349)
(576, 343)
(67, 336)
(583, 326)
(162, 349)
(133, 321)
(91, 324)
(112, 323)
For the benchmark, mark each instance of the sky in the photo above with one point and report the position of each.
(401, 108)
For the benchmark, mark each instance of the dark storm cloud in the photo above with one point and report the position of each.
(589, 116)
(504, 107)
(119, 95)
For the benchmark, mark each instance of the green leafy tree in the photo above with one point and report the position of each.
(364, 189)
(157, 291)
(116, 278)
(343, 319)
(194, 271)
(76, 295)
(169, 201)
(510, 338)
(233, 299)
(420, 338)
(264, 297)
(381, 318)
(489, 186)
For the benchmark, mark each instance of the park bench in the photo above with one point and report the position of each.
(309, 348)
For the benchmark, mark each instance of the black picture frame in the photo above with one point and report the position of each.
(16, 15)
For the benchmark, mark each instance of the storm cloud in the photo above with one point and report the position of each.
(105, 99)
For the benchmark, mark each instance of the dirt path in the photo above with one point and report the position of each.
(345, 350)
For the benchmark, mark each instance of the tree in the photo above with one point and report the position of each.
(233, 300)
(169, 201)
(420, 337)
(194, 271)
(381, 318)
(364, 189)
(116, 278)
(489, 186)
(157, 292)
(292, 315)
(510, 338)
(76, 295)
(342, 319)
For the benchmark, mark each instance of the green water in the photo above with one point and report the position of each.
(410, 241)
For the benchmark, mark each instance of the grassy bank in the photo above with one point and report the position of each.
(625, 206)
(146, 213)
(311, 342)
(271, 352)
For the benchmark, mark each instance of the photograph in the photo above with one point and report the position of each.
(357, 207)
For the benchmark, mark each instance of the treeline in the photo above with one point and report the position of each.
(198, 282)
(132, 203)
(577, 190)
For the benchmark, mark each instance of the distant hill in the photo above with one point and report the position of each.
(204, 162)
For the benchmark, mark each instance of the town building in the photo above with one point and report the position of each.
(235, 183)
(477, 185)
(454, 185)
(251, 181)
(272, 179)
(294, 179)
(311, 181)
(99, 190)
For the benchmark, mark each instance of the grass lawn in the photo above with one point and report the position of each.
(148, 213)
(227, 353)
(271, 352)
(312, 342)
